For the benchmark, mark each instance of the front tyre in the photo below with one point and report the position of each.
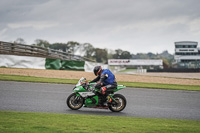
(74, 102)
(119, 105)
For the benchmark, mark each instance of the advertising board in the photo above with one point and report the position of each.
(141, 62)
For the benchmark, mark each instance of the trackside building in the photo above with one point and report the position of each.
(187, 54)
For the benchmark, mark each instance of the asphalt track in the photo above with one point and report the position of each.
(51, 98)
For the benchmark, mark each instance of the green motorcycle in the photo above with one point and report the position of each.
(86, 94)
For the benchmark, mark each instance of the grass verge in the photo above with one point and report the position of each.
(37, 79)
(161, 86)
(18, 122)
(74, 81)
(128, 70)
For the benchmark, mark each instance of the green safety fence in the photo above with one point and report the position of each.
(73, 65)
(52, 64)
(58, 64)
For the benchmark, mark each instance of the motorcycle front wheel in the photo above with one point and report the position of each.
(74, 102)
(119, 104)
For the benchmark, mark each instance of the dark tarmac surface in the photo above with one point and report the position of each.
(141, 102)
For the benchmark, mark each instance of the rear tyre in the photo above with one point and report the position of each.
(119, 105)
(74, 102)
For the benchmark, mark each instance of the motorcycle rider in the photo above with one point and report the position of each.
(105, 81)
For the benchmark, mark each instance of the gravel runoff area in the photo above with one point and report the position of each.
(165, 78)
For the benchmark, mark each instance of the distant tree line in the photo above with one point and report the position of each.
(100, 55)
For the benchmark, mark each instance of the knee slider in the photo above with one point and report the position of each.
(103, 90)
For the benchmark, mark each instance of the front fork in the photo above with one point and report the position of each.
(77, 98)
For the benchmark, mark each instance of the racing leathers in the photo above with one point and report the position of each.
(105, 81)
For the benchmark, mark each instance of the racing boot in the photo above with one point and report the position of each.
(109, 99)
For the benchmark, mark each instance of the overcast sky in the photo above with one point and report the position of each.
(133, 25)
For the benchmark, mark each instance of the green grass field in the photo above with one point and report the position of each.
(74, 81)
(18, 122)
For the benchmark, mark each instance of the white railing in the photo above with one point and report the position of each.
(35, 51)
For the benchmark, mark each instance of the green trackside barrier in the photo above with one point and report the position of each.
(53, 64)
(58, 64)
(73, 65)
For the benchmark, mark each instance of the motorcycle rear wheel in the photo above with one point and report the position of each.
(120, 105)
(74, 102)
